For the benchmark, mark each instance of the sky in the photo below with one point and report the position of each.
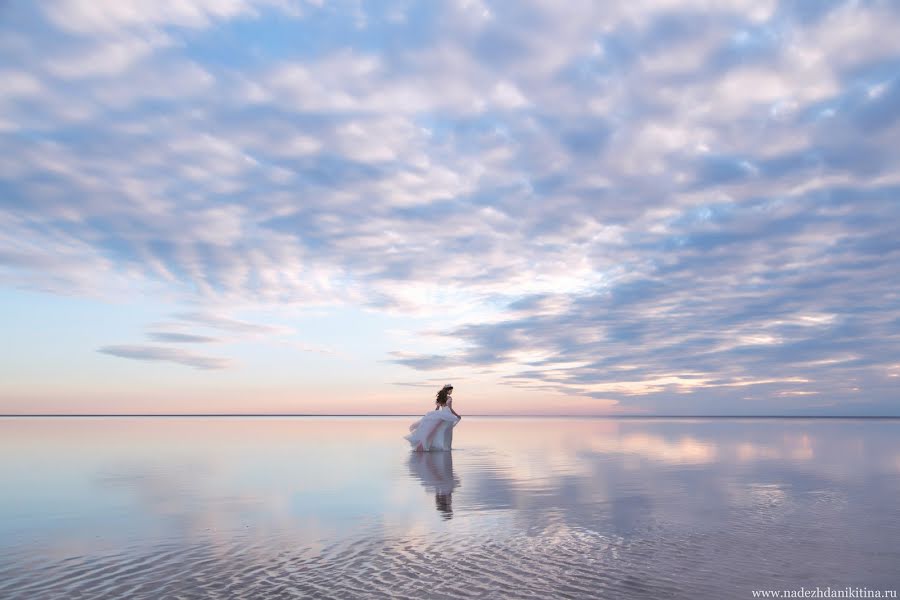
(635, 207)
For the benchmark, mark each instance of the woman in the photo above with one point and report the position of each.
(434, 431)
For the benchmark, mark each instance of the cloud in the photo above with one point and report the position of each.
(162, 353)
(425, 362)
(229, 324)
(649, 202)
(86, 17)
(171, 336)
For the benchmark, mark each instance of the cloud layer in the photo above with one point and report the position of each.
(163, 353)
(682, 207)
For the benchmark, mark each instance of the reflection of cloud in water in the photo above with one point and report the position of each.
(686, 450)
(630, 477)
(184, 500)
(434, 470)
(793, 448)
(634, 507)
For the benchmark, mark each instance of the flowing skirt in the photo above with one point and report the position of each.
(434, 431)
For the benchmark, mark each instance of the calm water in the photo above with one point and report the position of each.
(525, 508)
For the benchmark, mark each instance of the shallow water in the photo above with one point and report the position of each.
(525, 508)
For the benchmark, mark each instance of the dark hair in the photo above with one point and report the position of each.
(441, 397)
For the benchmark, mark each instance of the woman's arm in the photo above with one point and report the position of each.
(450, 406)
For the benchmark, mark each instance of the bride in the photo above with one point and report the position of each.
(434, 431)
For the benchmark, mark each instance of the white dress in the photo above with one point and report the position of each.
(434, 431)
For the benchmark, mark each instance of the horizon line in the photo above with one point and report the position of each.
(592, 416)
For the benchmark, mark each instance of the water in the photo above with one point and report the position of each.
(525, 508)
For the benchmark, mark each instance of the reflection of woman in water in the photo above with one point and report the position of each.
(435, 471)
(434, 431)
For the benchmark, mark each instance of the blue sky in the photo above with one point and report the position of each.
(587, 207)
